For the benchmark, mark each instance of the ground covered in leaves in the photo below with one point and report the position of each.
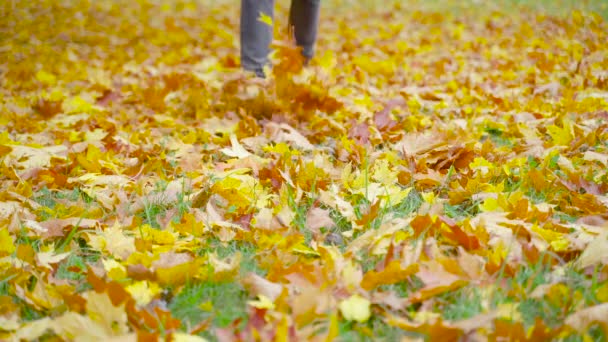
(432, 174)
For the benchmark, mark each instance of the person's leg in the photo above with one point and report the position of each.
(256, 35)
(304, 16)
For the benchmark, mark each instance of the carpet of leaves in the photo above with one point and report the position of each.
(430, 174)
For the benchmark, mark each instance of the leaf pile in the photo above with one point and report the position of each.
(431, 174)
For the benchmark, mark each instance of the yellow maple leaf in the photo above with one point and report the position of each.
(100, 309)
(114, 269)
(265, 18)
(143, 291)
(561, 136)
(7, 246)
(490, 204)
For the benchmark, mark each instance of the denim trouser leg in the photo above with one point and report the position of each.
(256, 36)
(304, 16)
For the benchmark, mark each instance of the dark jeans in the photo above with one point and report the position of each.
(256, 35)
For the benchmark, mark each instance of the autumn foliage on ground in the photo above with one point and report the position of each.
(431, 174)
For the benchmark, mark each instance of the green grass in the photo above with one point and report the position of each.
(497, 137)
(595, 332)
(409, 205)
(463, 303)
(72, 268)
(552, 7)
(220, 302)
(159, 204)
(226, 301)
(248, 254)
(375, 329)
(469, 301)
(49, 201)
(468, 208)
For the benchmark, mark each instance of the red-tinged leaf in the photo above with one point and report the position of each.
(98, 284)
(370, 214)
(75, 302)
(360, 133)
(146, 336)
(117, 293)
(423, 225)
(48, 108)
(140, 272)
(514, 331)
(168, 321)
(383, 119)
(108, 97)
(456, 234)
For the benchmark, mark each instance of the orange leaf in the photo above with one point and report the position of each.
(391, 274)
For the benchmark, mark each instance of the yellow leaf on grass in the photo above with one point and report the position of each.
(7, 246)
(143, 291)
(509, 311)
(101, 310)
(428, 197)
(114, 241)
(160, 237)
(114, 269)
(355, 308)
(301, 248)
(334, 327)
(489, 204)
(558, 241)
(262, 302)
(601, 293)
(206, 306)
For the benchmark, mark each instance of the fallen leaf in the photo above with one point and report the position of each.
(355, 308)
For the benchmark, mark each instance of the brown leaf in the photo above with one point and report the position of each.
(436, 281)
(57, 227)
(582, 319)
(318, 218)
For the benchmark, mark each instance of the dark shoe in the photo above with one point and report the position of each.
(258, 72)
